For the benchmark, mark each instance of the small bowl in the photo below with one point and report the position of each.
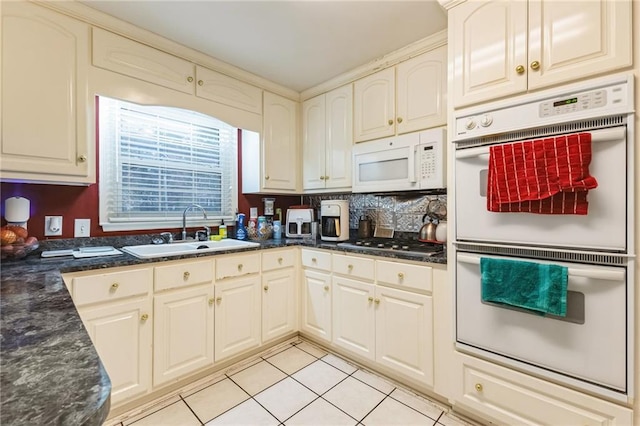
(17, 250)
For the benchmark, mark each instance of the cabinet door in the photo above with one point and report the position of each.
(339, 137)
(279, 313)
(316, 304)
(45, 101)
(313, 143)
(122, 338)
(404, 333)
(183, 332)
(570, 41)
(280, 131)
(488, 42)
(374, 106)
(237, 316)
(421, 91)
(228, 91)
(124, 56)
(353, 316)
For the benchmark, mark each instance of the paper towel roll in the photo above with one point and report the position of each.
(16, 209)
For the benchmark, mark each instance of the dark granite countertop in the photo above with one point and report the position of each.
(50, 372)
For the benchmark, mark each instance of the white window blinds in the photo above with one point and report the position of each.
(155, 161)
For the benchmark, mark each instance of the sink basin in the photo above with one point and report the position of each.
(148, 251)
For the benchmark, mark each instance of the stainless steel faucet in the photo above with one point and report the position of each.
(184, 218)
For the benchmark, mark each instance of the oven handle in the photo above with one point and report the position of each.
(602, 135)
(575, 272)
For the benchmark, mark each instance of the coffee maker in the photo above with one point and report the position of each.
(334, 220)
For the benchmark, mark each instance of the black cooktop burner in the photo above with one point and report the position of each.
(389, 244)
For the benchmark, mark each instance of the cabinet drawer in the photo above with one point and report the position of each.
(235, 266)
(183, 274)
(316, 259)
(356, 267)
(404, 275)
(278, 259)
(516, 399)
(109, 286)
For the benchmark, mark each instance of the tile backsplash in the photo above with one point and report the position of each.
(403, 211)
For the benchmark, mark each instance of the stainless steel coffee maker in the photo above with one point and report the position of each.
(334, 220)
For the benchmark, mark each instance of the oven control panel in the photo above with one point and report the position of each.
(603, 97)
(580, 102)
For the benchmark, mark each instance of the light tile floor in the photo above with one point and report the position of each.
(295, 383)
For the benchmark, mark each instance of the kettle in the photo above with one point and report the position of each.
(428, 230)
(364, 227)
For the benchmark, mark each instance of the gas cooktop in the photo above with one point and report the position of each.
(406, 247)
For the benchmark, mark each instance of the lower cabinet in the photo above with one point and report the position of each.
(116, 309)
(279, 314)
(353, 316)
(316, 304)
(237, 322)
(122, 334)
(183, 332)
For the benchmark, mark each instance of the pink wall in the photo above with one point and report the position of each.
(81, 202)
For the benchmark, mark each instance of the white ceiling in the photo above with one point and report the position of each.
(297, 44)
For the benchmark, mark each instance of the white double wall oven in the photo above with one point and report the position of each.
(591, 348)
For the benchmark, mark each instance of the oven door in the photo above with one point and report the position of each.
(589, 344)
(603, 228)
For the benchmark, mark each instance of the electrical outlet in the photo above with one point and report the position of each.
(81, 227)
(52, 226)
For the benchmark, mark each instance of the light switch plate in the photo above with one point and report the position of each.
(52, 226)
(81, 228)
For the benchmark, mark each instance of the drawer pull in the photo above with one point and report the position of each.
(186, 275)
(190, 79)
(200, 82)
(370, 299)
(239, 267)
(266, 288)
(326, 288)
(280, 260)
(211, 301)
(399, 120)
(377, 301)
(535, 65)
(400, 275)
(314, 260)
(520, 69)
(115, 286)
(350, 267)
(390, 122)
(144, 317)
(219, 299)
(479, 387)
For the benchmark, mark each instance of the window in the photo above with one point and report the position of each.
(155, 161)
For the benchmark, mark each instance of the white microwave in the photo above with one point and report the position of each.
(402, 163)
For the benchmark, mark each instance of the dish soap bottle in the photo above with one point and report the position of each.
(222, 230)
(241, 231)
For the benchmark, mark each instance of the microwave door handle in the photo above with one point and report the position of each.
(412, 164)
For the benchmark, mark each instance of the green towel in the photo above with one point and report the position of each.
(529, 285)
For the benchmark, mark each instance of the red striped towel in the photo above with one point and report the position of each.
(547, 176)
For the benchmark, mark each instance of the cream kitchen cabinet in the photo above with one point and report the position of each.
(327, 123)
(116, 309)
(279, 295)
(46, 109)
(280, 162)
(408, 97)
(504, 396)
(505, 47)
(122, 55)
(315, 309)
(238, 307)
(184, 315)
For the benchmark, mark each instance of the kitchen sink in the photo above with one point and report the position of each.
(148, 251)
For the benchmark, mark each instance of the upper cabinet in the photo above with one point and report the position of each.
(408, 97)
(115, 53)
(506, 47)
(327, 138)
(280, 162)
(45, 102)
